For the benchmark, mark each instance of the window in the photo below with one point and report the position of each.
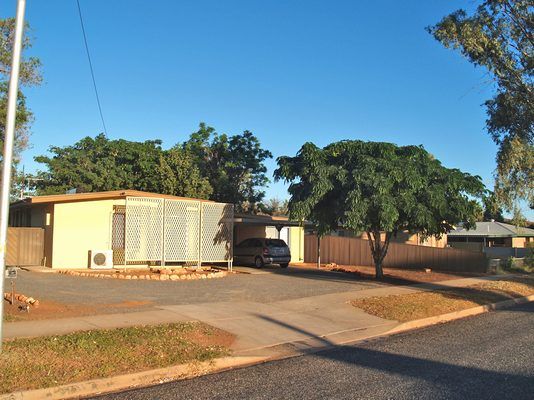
(275, 243)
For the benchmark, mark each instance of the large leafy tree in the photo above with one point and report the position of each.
(499, 36)
(234, 165)
(492, 208)
(378, 188)
(100, 164)
(180, 175)
(30, 75)
(208, 165)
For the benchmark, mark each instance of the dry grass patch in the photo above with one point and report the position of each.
(56, 360)
(408, 307)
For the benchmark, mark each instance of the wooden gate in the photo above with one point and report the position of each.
(25, 246)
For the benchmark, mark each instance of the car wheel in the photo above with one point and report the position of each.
(284, 265)
(258, 262)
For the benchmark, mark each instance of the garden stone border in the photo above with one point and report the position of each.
(149, 276)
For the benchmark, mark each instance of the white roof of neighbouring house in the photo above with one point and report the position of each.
(493, 229)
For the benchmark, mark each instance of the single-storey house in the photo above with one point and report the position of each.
(401, 237)
(490, 234)
(134, 228)
(140, 228)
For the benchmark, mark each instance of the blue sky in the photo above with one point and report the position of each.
(290, 71)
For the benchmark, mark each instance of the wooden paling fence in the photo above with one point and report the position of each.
(354, 251)
(25, 246)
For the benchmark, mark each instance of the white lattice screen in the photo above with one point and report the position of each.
(217, 232)
(182, 226)
(144, 229)
(169, 230)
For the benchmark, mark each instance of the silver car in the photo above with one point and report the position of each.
(261, 251)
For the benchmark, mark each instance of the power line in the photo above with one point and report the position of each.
(91, 67)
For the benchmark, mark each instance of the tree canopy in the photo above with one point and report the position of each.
(234, 165)
(378, 188)
(30, 75)
(499, 36)
(208, 166)
(101, 164)
(492, 208)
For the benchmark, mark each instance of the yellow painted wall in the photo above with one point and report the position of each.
(243, 232)
(80, 227)
(296, 243)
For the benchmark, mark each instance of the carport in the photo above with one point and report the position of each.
(273, 227)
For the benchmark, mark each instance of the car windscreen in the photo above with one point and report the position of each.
(275, 243)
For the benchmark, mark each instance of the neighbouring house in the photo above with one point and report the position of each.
(488, 235)
(401, 237)
(273, 227)
(140, 228)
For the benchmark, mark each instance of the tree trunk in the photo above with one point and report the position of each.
(378, 250)
(379, 272)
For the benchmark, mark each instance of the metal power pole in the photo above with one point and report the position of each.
(8, 150)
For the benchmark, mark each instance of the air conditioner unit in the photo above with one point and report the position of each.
(101, 259)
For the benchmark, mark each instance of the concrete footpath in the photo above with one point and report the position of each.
(258, 327)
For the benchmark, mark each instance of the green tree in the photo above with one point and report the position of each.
(30, 75)
(275, 206)
(234, 165)
(101, 164)
(180, 176)
(499, 36)
(378, 188)
(492, 208)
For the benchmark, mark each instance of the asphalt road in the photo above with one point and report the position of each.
(485, 357)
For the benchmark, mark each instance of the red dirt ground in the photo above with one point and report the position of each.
(393, 275)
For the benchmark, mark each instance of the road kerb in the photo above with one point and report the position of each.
(438, 319)
(153, 377)
(130, 381)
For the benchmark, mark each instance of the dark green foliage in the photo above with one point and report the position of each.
(499, 36)
(234, 165)
(181, 177)
(492, 209)
(101, 164)
(208, 165)
(378, 188)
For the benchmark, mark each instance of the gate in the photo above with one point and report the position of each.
(144, 229)
(25, 246)
(181, 230)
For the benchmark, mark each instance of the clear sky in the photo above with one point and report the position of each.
(290, 71)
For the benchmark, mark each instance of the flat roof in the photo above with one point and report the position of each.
(264, 220)
(112, 194)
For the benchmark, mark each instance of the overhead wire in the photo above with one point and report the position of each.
(91, 67)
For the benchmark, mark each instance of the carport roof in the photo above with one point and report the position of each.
(264, 220)
(113, 194)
